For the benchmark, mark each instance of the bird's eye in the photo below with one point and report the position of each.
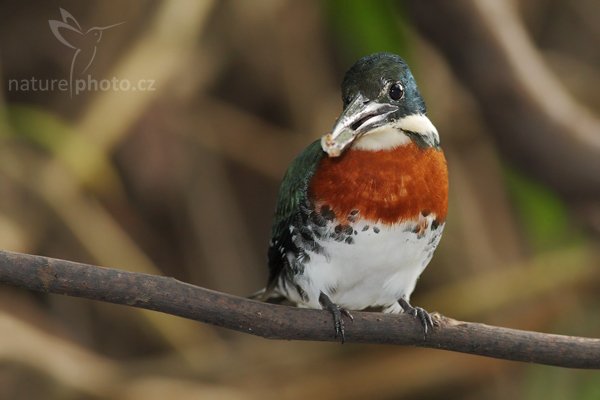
(396, 91)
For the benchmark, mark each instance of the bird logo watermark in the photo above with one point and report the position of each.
(85, 44)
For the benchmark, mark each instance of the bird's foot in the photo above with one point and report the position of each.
(337, 312)
(423, 316)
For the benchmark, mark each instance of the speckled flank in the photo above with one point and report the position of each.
(373, 267)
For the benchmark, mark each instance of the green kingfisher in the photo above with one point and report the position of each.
(361, 211)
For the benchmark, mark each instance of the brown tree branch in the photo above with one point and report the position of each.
(270, 321)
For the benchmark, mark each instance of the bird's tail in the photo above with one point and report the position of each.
(268, 296)
(259, 295)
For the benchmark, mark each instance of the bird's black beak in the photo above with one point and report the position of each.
(360, 116)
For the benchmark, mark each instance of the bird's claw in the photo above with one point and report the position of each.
(337, 312)
(346, 313)
(421, 314)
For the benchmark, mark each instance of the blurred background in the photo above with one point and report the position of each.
(170, 163)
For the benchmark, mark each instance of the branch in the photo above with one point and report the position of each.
(270, 321)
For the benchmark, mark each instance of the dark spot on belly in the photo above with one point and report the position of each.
(353, 215)
(376, 229)
(338, 237)
(313, 246)
(421, 227)
(327, 213)
(425, 213)
(317, 219)
(306, 233)
(349, 240)
(343, 229)
(434, 224)
(365, 228)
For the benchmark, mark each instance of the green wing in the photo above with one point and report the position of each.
(292, 204)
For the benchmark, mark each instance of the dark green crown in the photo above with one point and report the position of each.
(373, 75)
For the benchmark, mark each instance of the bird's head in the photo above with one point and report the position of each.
(382, 107)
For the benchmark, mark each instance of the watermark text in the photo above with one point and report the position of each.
(80, 85)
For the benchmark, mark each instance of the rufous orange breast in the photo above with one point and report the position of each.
(387, 186)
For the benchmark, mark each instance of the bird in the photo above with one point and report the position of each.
(361, 210)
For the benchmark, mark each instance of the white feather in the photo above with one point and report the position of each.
(390, 136)
(384, 138)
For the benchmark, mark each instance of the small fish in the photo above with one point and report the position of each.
(334, 146)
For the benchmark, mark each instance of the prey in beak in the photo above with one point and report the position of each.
(360, 116)
(379, 93)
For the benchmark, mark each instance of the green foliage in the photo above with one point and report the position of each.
(62, 142)
(544, 217)
(552, 383)
(364, 27)
(38, 126)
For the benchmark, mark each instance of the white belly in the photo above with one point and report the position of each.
(380, 266)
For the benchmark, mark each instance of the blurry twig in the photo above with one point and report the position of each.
(87, 373)
(155, 58)
(64, 361)
(534, 119)
(108, 243)
(515, 284)
(171, 296)
(248, 140)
